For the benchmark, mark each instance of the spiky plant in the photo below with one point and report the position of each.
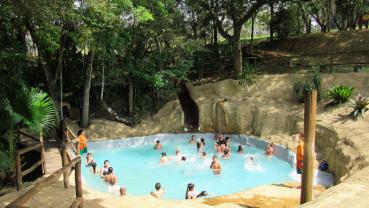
(25, 108)
(360, 105)
(340, 93)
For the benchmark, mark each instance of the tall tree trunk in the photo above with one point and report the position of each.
(215, 37)
(130, 97)
(252, 31)
(86, 91)
(271, 30)
(236, 48)
(102, 82)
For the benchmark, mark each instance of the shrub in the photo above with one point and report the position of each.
(340, 93)
(360, 105)
(248, 75)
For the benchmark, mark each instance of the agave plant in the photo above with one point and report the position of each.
(248, 76)
(24, 108)
(340, 93)
(360, 105)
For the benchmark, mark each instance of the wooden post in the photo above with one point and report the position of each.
(64, 163)
(78, 182)
(309, 143)
(18, 166)
(42, 152)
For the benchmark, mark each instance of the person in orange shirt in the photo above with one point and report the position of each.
(300, 154)
(82, 142)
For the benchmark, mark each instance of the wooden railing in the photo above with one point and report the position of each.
(18, 160)
(69, 160)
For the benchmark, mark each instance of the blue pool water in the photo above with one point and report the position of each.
(136, 164)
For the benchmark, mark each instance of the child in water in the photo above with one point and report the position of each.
(269, 149)
(159, 191)
(158, 145)
(240, 150)
(215, 165)
(164, 159)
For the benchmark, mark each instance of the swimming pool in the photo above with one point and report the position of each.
(137, 166)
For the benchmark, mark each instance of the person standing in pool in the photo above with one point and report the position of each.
(164, 159)
(240, 150)
(300, 154)
(82, 142)
(192, 140)
(215, 165)
(191, 193)
(110, 177)
(158, 145)
(202, 140)
(105, 169)
(269, 149)
(159, 191)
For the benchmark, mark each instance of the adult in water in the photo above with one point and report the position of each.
(269, 149)
(158, 145)
(159, 191)
(240, 150)
(105, 169)
(215, 165)
(82, 142)
(164, 159)
(300, 154)
(192, 140)
(110, 177)
(191, 193)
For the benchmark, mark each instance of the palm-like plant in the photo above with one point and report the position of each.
(360, 105)
(24, 108)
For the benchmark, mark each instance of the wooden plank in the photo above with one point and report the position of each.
(29, 148)
(18, 166)
(76, 203)
(32, 168)
(28, 135)
(309, 146)
(78, 181)
(42, 184)
(64, 163)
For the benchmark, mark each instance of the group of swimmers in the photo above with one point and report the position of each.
(221, 145)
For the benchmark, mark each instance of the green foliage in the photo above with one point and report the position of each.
(285, 22)
(340, 93)
(300, 87)
(22, 107)
(248, 76)
(360, 105)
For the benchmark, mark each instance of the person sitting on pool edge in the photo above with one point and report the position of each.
(269, 149)
(215, 165)
(191, 193)
(240, 150)
(105, 169)
(159, 191)
(110, 177)
(164, 159)
(192, 140)
(158, 145)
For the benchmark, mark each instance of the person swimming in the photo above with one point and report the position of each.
(159, 191)
(199, 146)
(202, 140)
(226, 154)
(158, 145)
(192, 140)
(269, 149)
(110, 177)
(240, 150)
(105, 169)
(89, 159)
(183, 159)
(215, 165)
(203, 155)
(164, 159)
(191, 193)
(122, 191)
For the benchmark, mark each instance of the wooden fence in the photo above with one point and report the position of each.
(18, 160)
(69, 160)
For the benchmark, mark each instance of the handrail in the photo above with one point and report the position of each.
(47, 181)
(18, 161)
(28, 135)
